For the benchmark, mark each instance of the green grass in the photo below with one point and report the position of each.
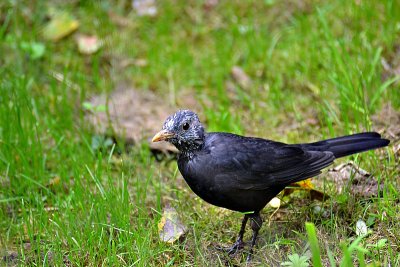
(317, 60)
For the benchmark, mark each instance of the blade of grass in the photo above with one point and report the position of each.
(312, 238)
(382, 88)
(5, 200)
(331, 258)
(97, 182)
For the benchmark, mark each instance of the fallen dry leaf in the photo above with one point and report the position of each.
(240, 77)
(61, 25)
(170, 227)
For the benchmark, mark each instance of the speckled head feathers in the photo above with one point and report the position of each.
(187, 129)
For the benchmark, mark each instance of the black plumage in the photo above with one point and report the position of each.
(244, 173)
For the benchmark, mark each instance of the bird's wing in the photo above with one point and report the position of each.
(254, 163)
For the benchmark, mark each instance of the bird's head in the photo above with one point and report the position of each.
(182, 129)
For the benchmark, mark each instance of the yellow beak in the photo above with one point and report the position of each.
(162, 135)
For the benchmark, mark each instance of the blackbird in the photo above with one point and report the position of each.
(244, 173)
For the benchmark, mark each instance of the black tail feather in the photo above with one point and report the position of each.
(348, 145)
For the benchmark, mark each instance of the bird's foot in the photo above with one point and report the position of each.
(237, 246)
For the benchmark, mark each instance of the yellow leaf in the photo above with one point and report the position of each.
(170, 227)
(61, 25)
(55, 181)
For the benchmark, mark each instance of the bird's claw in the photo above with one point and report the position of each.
(239, 245)
(235, 248)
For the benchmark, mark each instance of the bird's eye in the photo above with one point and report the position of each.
(185, 126)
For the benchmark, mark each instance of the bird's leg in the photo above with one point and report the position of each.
(239, 244)
(255, 223)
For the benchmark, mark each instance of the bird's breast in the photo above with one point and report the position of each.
(200, 180)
